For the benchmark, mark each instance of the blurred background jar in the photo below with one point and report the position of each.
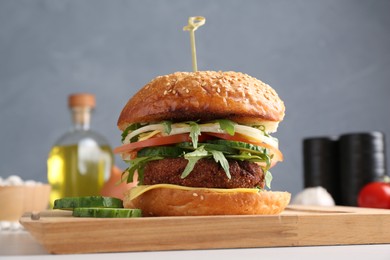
(321, 165)
(362, 160)
(81, 160)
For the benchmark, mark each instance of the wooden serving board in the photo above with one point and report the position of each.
(60, 233)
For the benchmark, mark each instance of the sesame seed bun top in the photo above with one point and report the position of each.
(204, 96)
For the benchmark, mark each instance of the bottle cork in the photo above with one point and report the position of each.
(82, 100)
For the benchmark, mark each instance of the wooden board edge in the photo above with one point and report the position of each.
(193, 233)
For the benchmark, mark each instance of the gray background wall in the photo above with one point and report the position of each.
(328, 60)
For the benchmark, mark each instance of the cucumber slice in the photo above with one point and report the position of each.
(69, 203)
(218, 147)
(251, 148)
(164, 151)
(106, 213)
(210, 147)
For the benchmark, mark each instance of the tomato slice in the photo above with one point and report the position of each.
(278, 156)
(157, 141)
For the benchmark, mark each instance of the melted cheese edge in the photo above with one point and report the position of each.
(139, 190)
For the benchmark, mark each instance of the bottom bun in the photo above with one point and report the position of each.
(200, 202)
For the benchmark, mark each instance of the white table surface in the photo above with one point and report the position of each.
(21, 245)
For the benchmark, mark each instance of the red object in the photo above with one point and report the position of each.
(114, 187)
(157, 141)
(375, 195)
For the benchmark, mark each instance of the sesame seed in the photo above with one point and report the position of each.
(203, 84)
(201, 197)
(165, 92)
(174, 92)
(187, 90)
(218, 90)
(195, 194)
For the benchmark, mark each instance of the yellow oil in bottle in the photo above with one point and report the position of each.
(78, 170)
(81, 160)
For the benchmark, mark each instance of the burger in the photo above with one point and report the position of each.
(200, 144)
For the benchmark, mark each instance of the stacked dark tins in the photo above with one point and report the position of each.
(345, 164)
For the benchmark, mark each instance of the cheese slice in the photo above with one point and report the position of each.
(146, 136)
(139, 190)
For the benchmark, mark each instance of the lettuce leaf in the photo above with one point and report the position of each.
(268, 179)
(193, 158)
(227, 125)
(195, 132)
(220, 158)
(131, 127)
(138, 164)
(167, 126)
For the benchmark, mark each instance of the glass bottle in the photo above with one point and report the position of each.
(81, 160)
